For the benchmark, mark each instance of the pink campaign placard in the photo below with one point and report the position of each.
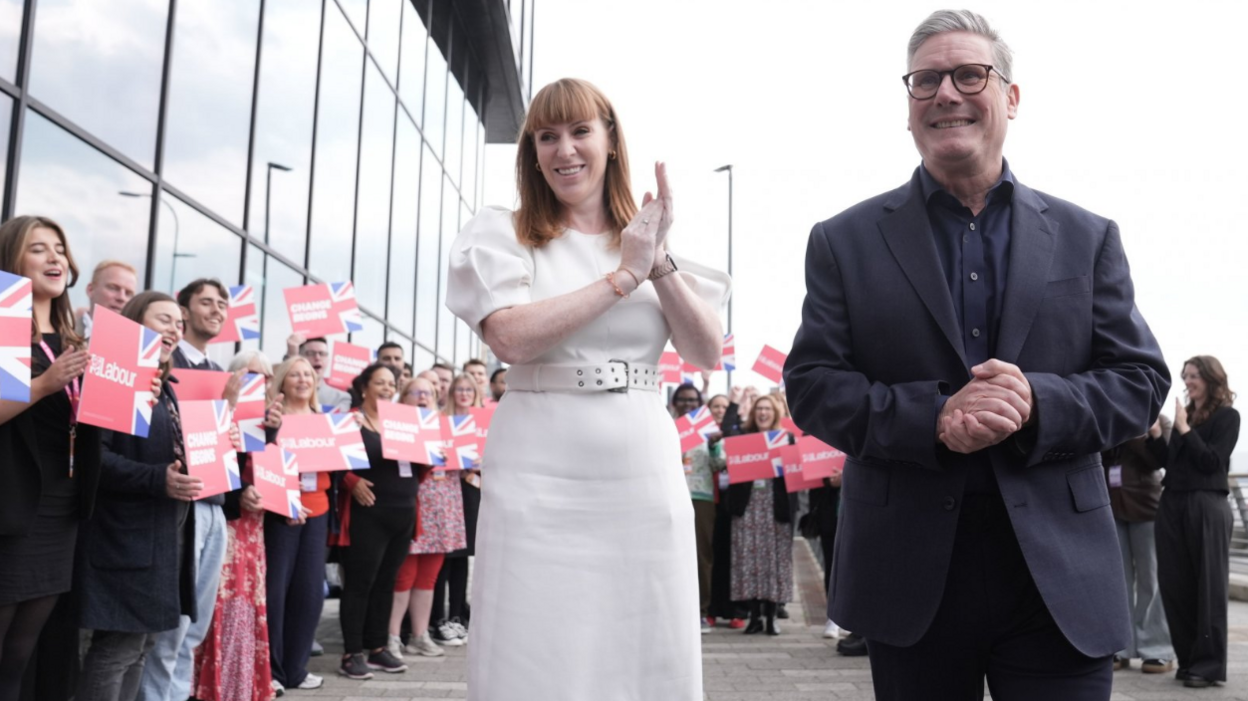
(200, 385)
(483, 417)
(15, 326)
(790, 459)
(242, 322)
(728, 359)
(275, 472)
(348, 361)
(323, 310)
(206, 438)
(819, 459)
(695, 428)
(459, 435)
(750, 456)
(206, 385)
(406, 435)
(770, 364)
(324, 442)
(788, 424)
(117, 387)
(670, 366)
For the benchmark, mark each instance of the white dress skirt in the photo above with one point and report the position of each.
(585, 584)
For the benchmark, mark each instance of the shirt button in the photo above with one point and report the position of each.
(949, 503)
(974, 277)
(965, 238)
(975, 333)
(972, 226)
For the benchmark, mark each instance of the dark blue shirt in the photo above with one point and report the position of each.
(974, 256)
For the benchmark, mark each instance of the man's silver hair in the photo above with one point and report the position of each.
(942, 21)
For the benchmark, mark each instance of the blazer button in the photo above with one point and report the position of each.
(949, 503)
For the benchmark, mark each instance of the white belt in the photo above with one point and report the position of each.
(611, 376)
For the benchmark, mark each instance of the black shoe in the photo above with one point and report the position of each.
(755, 626)
(782, 612)
(1156, 666)
(1195, 681)
(853, 645)
(386, 662)
(354, 667)
(1182, 674)
(771, 626)
(1121, 663)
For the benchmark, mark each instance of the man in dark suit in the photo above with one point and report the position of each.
(972, 345)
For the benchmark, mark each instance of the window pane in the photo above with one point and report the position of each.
(435, 98)
(78, 187)
(401, 305)
(99, 64)
(333, 197)
(468, 185)
(6, 117)
(383, 35)
(269, 277)
(284, 124)
(372, 226)
(10, 37)
(421, 359)
(450, 227)
(454, 130)
(463, 335)
(190, 245)
(427, 250)
(206, 136)
(412, 71)
(357, 11)
(373, 335)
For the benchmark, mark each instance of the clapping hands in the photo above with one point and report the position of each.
(990, 408)
(642, 243)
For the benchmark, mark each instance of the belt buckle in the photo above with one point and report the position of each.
(627, 382)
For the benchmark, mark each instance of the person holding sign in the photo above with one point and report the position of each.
(49, 464)
(382, 523)
(452, 586)
(135, 572)
(295, 550)
(585, 478)
(701, 463)
(440, 517)
(762, 532)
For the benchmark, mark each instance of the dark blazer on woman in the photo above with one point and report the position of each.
(1201, 459)
(784, 504)
(131, 573)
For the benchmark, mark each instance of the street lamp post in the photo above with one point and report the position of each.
(268, 194)
(173, 268)
(720, 170)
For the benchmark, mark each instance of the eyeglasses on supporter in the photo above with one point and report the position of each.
(968, 79)
(464, 389)
(420, 394)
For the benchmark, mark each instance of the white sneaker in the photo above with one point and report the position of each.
(312, 681)
(460, 630)
(831, 630)
(395, 646)
(425, 646)
(276, 686)
(450, 634)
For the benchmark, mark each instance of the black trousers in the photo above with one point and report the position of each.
(452, 584)
(380, 537)
(991, 623)
(1193, 543)
(295, 589)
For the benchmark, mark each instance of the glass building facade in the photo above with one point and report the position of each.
(269, 142)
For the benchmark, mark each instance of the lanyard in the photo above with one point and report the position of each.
(74, 391)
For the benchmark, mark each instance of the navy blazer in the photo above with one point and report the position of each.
(129, 573)
(879, 344)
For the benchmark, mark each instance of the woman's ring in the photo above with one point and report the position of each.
(645, 221)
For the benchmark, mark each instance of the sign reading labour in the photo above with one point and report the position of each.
(15, 320)
(819, 459)
(324, 442)
(770, 364)
(206, 439)
(695, 428)
(242, 323)
(323, 310)
(409, 433)
(348, 362)
(117, 388)
(275, 472)
(750, 457)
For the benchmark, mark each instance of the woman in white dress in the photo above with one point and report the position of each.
(586, 583)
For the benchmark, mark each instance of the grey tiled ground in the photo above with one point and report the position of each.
(797, 666)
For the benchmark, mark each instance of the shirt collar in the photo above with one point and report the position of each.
(191, 353)
(1004, 187)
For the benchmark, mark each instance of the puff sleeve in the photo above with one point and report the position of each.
(489, 268)
(711, 286)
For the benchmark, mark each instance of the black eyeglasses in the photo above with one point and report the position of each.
(970, 79)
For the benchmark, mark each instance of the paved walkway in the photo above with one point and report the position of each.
(797, 666)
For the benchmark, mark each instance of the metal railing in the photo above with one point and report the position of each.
(1239, 514)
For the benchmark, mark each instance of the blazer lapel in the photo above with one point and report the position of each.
(908, 233)
(1031, 253)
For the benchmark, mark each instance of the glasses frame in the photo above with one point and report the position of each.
(988, 67)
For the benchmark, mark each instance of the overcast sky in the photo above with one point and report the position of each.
(1134, 113)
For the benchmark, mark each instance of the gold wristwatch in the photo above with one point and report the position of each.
(664, 269)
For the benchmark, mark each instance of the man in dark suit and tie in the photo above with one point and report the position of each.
(973, 344)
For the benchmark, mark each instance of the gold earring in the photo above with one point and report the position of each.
(611, 155)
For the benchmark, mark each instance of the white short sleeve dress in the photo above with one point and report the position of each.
(585, 584)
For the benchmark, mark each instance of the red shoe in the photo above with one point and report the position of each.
(737, 623)
(710, 621)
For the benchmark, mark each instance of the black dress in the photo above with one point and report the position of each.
(40, 563)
